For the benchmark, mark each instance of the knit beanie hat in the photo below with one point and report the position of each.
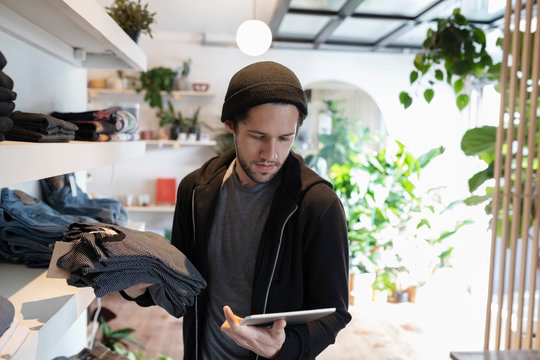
(261, 83)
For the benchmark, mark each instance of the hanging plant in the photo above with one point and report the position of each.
(452, 53)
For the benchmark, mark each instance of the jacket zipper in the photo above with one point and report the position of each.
(196, 298)
(275, 261)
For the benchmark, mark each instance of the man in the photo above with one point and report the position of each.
(266, 232)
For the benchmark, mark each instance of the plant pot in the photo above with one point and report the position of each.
(175, 131)
(360, 287)
(133, 34)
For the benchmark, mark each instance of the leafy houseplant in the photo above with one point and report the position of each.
(132, 17)
(155, 81)
(454, 52)
(390, 220)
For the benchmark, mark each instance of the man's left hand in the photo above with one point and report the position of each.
(266, 342)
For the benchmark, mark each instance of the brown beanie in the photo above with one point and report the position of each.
(261, 83)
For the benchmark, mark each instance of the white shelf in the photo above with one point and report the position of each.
(80, 33)
(176, 95)
(152, 208)
(175, 144)
(24, 161)
(48, 307)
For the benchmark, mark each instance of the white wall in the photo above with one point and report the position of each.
(43, 84)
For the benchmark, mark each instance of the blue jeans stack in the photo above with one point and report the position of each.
(63, 195)
(28, 228)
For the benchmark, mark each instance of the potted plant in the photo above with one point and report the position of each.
(390, 220)
(193, 123)
(454, 53)
(153, 83)
(182, 82)
(132, 17)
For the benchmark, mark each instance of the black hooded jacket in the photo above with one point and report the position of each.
(302, 262)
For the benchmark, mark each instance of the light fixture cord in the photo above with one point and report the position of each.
(254, 9)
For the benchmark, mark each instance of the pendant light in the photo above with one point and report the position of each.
(253, 37)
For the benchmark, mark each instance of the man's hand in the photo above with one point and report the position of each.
(137, 290)
(262, 341)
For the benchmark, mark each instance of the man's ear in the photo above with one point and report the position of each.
(228, 126)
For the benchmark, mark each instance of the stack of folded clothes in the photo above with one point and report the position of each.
(34, 127)
(62, 194)
(7, 97)
(28, 228)
(12, 334)
(102, 125)
(111, 258)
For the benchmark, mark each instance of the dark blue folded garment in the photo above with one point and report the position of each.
(62, 194)
(7, 313)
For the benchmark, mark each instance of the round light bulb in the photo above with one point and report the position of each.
(253, 37)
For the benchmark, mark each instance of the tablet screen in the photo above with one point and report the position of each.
(292, 317)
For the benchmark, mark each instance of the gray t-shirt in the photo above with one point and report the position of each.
(232, 250)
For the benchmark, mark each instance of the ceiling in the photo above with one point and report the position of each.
(353, 25)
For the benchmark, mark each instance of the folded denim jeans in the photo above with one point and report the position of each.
(64, 195)
(30, 224)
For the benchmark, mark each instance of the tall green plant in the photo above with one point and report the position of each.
(388, 215)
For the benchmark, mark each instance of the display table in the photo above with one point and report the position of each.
(54, 312)
(497, 355)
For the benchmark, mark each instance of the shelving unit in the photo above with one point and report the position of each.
(80, 33)
(152, 208)
(175, 144)
(23, 161)
(176, 95)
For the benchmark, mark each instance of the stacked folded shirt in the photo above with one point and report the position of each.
(102, 125)
(7, 97)
(34, 127)
(112, 258)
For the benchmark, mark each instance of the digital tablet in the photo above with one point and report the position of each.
(292, 317)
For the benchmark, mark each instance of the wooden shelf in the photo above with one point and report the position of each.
(24, 161)
(80, 33)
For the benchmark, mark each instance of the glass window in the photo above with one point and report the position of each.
(333, 5)
(364, 30)
(409, 8)
(302, 26)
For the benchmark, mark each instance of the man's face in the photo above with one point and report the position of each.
(263, 141)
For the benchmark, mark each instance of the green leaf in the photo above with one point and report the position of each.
(479, 140)
(439, 75)
(413, 76)
(461, 67)
(462, 101)
(425, 158)
(428, 95)
(476, 199)
(459, 84)
(480, 177)
(405, 99)
(419, 62)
